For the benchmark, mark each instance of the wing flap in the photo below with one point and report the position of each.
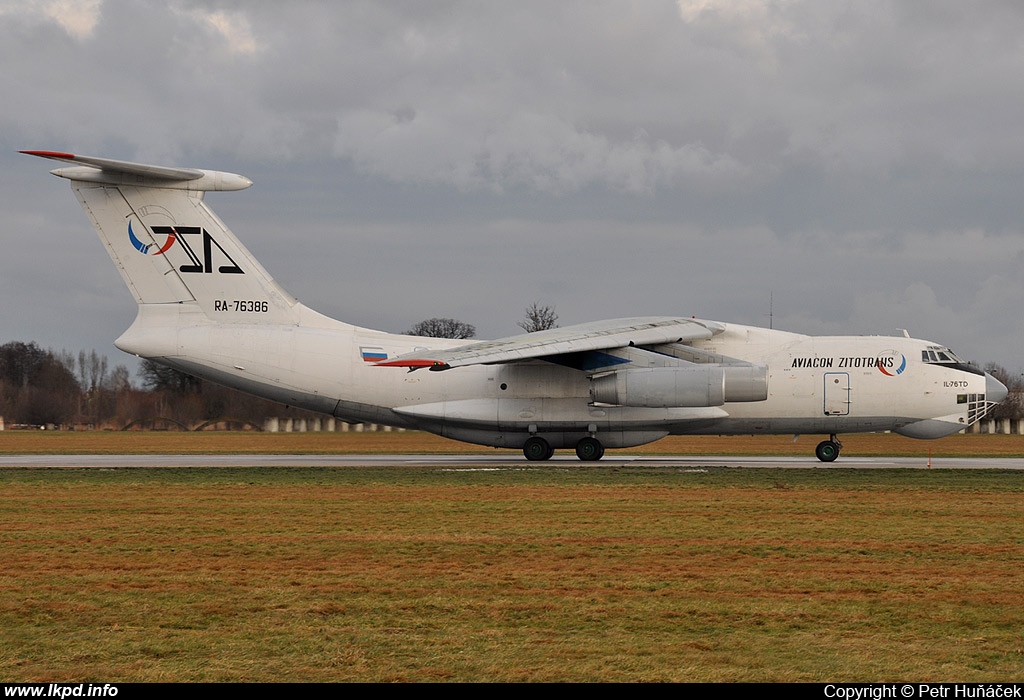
(598, 335)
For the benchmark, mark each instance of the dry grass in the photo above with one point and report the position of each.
(870, 444)
(537, 574)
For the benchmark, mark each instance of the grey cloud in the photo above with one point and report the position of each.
(861, 162)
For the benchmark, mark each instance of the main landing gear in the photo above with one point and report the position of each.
(537, 449)
(828, 450)
(588, 449)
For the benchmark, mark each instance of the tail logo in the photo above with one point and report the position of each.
(144, 247)
(178, 234)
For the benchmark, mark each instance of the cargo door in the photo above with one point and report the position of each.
(837, 394)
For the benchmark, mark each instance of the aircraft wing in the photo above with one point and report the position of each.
(598, 335)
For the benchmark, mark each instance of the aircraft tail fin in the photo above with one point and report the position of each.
(168, 245)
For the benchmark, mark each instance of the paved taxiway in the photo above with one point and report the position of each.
(498, 461)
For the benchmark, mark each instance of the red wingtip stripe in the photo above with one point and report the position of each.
(408, 363)
(50, 154)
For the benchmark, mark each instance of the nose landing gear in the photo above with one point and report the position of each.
(828, 450)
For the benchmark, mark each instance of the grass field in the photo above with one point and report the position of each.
(585, 573)
(116, 442)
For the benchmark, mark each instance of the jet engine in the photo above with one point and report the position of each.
(696, 385)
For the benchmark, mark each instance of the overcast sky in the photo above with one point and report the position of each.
(860, 163)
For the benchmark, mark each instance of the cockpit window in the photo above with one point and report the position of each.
(937, 355)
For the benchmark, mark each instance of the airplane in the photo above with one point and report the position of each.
(208, 308)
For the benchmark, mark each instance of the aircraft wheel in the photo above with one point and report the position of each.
(589, 449)
(827, 450)
(537, 449)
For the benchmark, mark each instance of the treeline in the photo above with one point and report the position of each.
(57, 388)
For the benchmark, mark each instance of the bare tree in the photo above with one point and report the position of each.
(443, 328)
(67, 359)
(83, 373)
(158, 377)
(36, 385)
(538, 318)
(119, 380)
(97, 370)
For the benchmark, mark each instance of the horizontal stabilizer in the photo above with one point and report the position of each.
(123, 172)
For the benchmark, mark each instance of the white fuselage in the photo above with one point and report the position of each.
(831, 384)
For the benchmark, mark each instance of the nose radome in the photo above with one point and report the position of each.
(995, 390)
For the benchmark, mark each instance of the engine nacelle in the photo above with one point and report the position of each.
(665, 387)
(746, 383)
